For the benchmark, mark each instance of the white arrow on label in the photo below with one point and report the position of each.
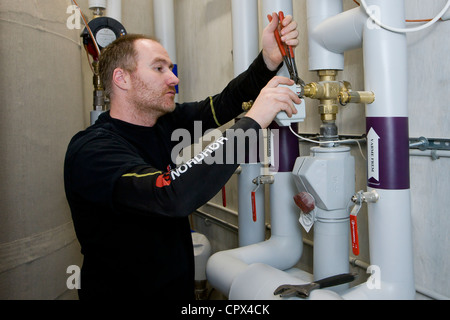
(373, 140)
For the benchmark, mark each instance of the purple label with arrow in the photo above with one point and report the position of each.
(388, 153)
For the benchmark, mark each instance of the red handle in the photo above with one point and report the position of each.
(291, 50)
(354, 232)
(254, 206)
(278, 38)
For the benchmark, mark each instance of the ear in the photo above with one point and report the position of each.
(121, 79)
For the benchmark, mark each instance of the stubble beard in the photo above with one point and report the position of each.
(151, 101)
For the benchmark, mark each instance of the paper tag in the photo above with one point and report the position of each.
(307, 220)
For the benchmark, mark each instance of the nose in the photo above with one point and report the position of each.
(173, 79)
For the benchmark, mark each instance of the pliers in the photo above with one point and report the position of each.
(288, 55)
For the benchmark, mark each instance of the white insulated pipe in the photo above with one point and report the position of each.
(328, 175)
(390, 226)
(245, 50)
(245, 34)
(252, 221)
(164, 23)
(114, 9)
(282, 251)
(320, 56)
(334, 36)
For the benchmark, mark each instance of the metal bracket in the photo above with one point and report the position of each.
(424, 144)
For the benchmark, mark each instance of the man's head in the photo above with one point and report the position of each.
(138, 69)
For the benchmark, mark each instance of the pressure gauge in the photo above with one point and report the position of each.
(105, 31)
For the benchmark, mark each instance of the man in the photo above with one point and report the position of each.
(129, 203)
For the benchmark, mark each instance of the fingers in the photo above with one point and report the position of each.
(278, 80)
(274, 21)
(289, 32)
(282, 95)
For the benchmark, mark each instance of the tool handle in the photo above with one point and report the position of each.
(278, 38)
(291, 50)
(336, 280)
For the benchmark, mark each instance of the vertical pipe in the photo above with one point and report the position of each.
(321, 58)
(252, 224)
(114, 9)
(329, 176)
(386, 74)
(245, 50)
(164, 20)
(245, 33)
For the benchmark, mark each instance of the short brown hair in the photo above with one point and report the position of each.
(119, 54)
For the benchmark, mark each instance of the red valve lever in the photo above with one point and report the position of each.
(254, 206)
(354, 233)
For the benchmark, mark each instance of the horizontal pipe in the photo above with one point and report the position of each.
(341, 32)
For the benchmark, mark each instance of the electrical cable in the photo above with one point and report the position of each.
(404, 30)
(328, 142)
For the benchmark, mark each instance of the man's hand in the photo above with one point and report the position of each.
(272, 100)
(289, 35)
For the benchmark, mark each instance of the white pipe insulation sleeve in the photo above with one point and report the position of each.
(320, 57)
(97, 4)
(252, 222)
(259, 282)
(337, 35)
(270, 6)
(282, 251)
(114, 9)
(202, 252)
(245, 34)
(164, 22)
(390, 226)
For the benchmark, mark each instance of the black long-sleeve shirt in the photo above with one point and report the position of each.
(130, 203)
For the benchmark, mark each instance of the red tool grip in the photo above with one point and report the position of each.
(278, 37)
(354, 233)
(291, 50)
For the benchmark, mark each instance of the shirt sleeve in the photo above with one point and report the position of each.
(177, 193)
(217, 110)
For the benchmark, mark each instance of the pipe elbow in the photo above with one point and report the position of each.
(281, 252)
